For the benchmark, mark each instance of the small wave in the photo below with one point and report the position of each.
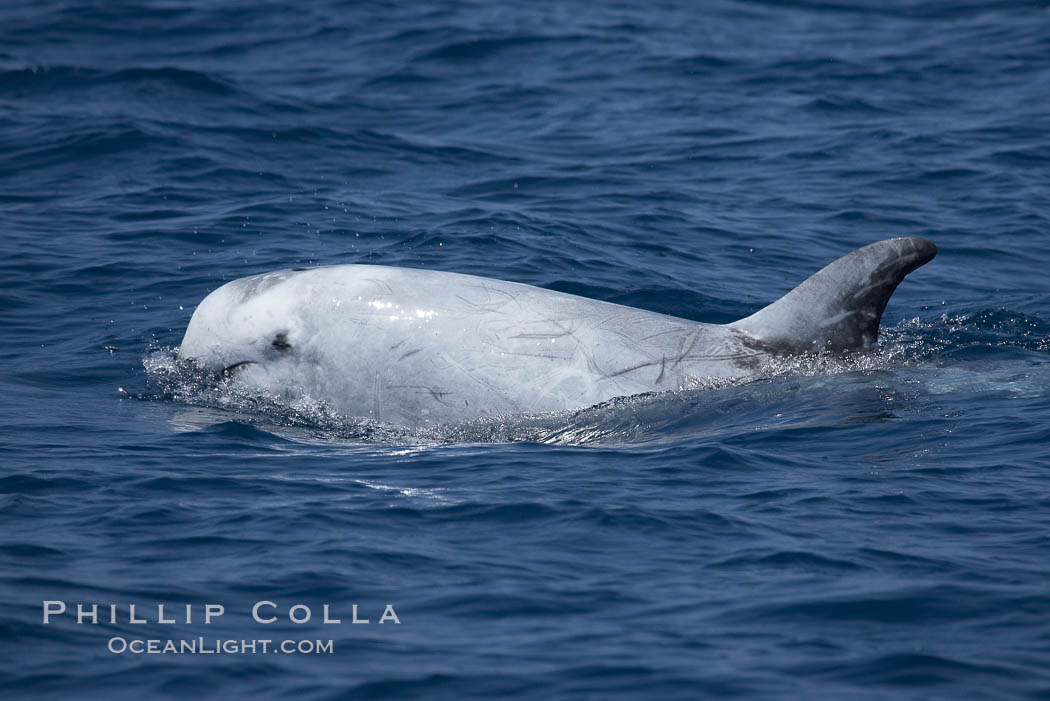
(482, 48)
(835, 105)
(87, 144)
(904, 669)
(38, 79)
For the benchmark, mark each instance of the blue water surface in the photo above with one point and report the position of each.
(876, 527)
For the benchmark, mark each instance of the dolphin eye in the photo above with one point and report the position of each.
(280, 343)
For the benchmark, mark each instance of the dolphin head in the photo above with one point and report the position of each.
(253, 329)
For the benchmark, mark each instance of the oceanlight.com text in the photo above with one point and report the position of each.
(215, 646)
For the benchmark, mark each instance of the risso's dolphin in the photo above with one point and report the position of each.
(421, 347)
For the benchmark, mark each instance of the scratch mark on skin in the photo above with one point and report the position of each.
(692, 344)
(602, 322)
(544, 355)
(542, 336)
(375, 398)
(553, 384)
(658, 334)
(409, 353)
(437, 395)
(594, 367)
(491, 307)
(397, 345)
(545, 382)
(493, 291)
(566, 329)
(640, 366)
(631, 341)
(663, 368)
(479, 380)
(380, 284)
(724, 356)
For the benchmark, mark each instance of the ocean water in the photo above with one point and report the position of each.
(876, 527)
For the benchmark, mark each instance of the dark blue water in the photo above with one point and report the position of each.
(874, 528)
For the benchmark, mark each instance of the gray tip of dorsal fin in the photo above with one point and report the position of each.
(838, 308)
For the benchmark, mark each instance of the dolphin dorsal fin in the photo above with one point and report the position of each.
(838, 308)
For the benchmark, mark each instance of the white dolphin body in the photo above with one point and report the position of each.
(420, 347)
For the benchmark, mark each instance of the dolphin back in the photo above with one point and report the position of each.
(838, 308)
